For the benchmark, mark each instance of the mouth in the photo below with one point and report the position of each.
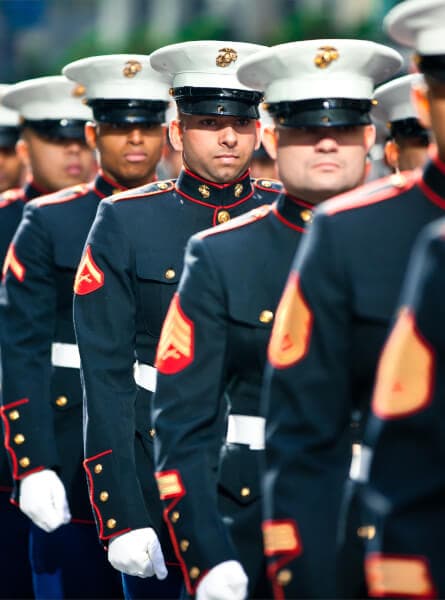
(136, 157)
(227, 158)
(74, 169)
(327, 166)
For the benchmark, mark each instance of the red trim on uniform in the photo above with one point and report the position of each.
(286, 222)
(431, 194)
(220, 186)
(58, 198)
(299, 201)
(126, 195)
(83, 521)
(440, 164)
(250, 217)
(10, 196)
(112, 182)
(370, 193)
(13, 264)
(96, 509)
(216, 208)
(379, 588)
(7, 438)
(268, 189)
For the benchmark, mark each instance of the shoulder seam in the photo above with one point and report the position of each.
(58, 197)
(160, 188)
(248, 218)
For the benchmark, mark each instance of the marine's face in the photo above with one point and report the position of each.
(11, 169)
(315, 163)
(218, 149)
(128, 153)
(56, 164)
(436, 100)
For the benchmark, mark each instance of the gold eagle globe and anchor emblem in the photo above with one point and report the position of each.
(78, 90)
(325, 56)
(132, 68)
(226, 56)
(204, 190)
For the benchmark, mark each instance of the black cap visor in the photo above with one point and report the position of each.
(433, 66)
(409, 128)
(322, 112)
(58, 129)
(218, 101)
(128, 111)
(8, 136)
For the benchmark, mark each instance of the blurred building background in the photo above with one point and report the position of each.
(38, 37)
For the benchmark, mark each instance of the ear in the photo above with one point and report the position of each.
(257, 134)
(270, 141)
(370, 135)
(422, 104)
(175, 132)
(22, 149)
(392, 154)
(91, 135)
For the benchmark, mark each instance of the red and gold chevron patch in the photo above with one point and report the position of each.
(89, 277)
(292, 329)
(13, 264)
(398, 576)
(404, 382)
(176, 345)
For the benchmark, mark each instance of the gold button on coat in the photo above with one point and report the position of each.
(98, 468)
(152, 432)
(162, 185)
(104, 496)
(170, 273)
(24, 462)
(194, 572)
(62, 401)
(184, 544)
(111, 523)
(14, 415)
(284, 577)
(306, 215)
(19, 439)
(245, 491)
(266, 184)
(175, 516)
(223, 216)
(266, 316)
(366, 531)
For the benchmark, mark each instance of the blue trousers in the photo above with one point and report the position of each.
(71, 563)
(15, 569)
(136, 588)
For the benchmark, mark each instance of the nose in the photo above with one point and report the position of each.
(75, 145)
(228, 136)
(135, 136)
(326, 142)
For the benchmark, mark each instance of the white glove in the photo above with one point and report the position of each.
(43, 499)
(138, 552)
(226, 581)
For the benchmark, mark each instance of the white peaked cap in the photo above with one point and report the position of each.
(205, 64)
(394, 99)
(119, 76)
(8, 117)
(322, 68)
(418, 24)
(53, 97)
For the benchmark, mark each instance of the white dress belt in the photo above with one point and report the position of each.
(145, 376)
(65, 355)
(360, 463)
(245, 429)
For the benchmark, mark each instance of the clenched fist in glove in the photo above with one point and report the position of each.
(226, 581)
(43, 499)
(138, 553)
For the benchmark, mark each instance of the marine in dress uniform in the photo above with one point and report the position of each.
(11, 167)
(408, 143)
(15, 570)
(330, 326)
(405, 484)
(133, 259)
(212, 350)
(42, 411)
